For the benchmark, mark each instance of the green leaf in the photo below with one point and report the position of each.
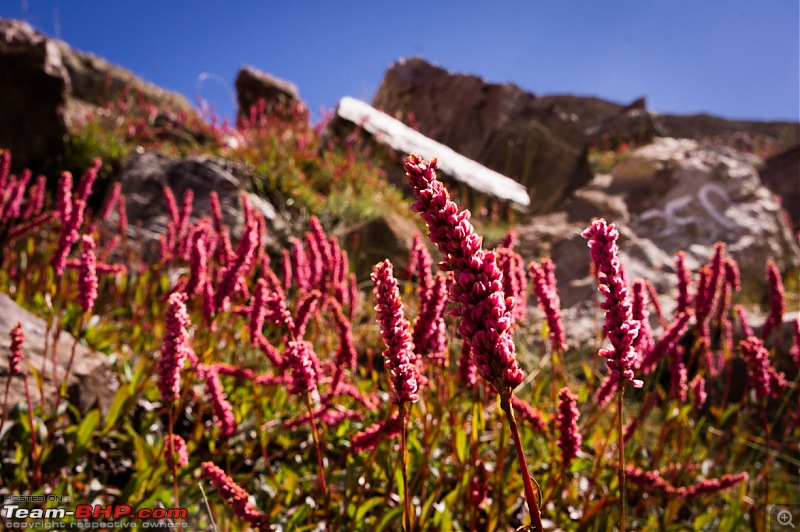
(300, 515)
(367, 505)
(728, 413)
(395, 513)
(426, 508)
(85, 431)
(461, 444)
(704, 520)
(119, 401)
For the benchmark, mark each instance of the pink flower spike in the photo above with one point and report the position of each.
(175, 348)
(299, 356)
(84, 189)
(178, 451)
(762, 377)
(549, 302)
(777, 301)
(481, 304)
(111, 201)
(395, 331)
(373, 435)
(232, 275)
(620, 327)
(235, 496)
(87, 275)
(570, 439)
(684, 281)
(15, 355)
(64, 198)
(223, 411)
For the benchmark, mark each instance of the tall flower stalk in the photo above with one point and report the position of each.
(620, 327)
(484, 310)
(399, 358)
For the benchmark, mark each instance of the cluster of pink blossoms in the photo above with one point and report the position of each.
(570, 440)
(235, 496)
(481, 305)
(177, 450)
(175, 348)
(620, 327)
(396, 335)
(15, 356)
(544, 286)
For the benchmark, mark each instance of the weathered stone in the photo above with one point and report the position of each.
(683, 196)
(253, 85)
(370, 242)
(35, 92)
(781, 174)
(49, 88)
(91, 383)
(400, 140)
(669, 196)
(499, 126)
(144, 176)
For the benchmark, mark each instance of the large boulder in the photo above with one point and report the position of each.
(91, 382)
(781, 174)
(500, 126)
(253, 86)
(684, 196)
(393, 141)
(665, 197)
(144, 176)
(49, 88)
(35, 92)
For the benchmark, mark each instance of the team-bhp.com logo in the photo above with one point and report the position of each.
(86, 516)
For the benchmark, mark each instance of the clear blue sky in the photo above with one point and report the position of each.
(734, 58)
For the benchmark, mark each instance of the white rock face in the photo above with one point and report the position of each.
(668, 196)
(684, 196)
(402, 139)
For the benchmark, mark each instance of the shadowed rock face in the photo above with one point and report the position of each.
(35, 91)
(253, 85)
(387, 237)
(91, 380)
(500, 126)
(781, 174)
(48, 87)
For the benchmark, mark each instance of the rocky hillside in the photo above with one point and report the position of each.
(509, 155)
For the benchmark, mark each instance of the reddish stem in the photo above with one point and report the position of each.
(536, 516)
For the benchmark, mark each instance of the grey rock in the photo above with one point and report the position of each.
(91, 383)
(781, 174)
(144, 176)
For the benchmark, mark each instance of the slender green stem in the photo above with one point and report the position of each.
(621, 445)
(35, 455)
(172, 460)
(533, 506)
(406, 497)
(320, 470)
